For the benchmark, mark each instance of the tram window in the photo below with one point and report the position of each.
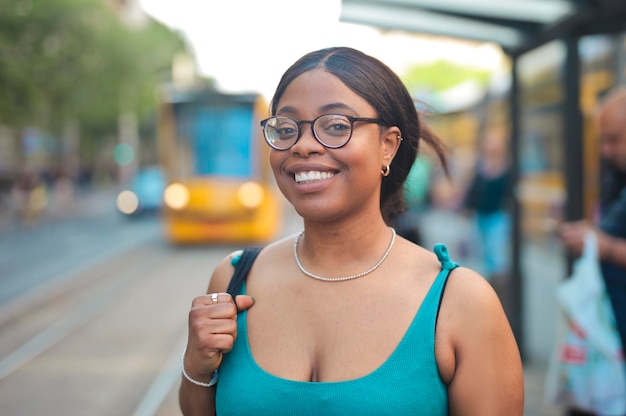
(216, 141)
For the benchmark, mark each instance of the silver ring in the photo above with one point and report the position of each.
(214, 297)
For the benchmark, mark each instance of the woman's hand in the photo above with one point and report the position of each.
(212, 332)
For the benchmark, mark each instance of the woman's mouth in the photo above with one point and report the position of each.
(312, 176)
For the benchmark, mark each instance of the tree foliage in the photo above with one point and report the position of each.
(441, 75)
(75, 60)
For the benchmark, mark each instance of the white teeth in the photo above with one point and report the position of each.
(312, 175)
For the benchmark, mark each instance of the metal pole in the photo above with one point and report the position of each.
(620, 59)
(573, 136)
(516, 318)
(573, 133)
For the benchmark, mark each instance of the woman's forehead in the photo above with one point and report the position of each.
(319, 90)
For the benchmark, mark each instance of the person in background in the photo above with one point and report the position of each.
(346, 317)
(30, 196)
(610, 228)
(416, 194)
(488, 198)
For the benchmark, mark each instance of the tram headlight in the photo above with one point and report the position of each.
(250, 194)
(127, 202)
(176, 196)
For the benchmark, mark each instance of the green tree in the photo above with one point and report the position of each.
(75, 61)
(441, 75)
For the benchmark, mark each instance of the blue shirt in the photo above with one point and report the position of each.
(613, 222)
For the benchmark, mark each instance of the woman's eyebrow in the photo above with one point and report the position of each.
(336, 106)
(288, 110)
(323, 109)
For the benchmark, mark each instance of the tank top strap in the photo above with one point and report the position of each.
(441, 250)
(234, 261)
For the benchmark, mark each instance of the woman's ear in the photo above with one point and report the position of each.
(391, 143)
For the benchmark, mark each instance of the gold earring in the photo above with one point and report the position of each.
(385, 170)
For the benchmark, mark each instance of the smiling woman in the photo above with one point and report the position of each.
(346, 317)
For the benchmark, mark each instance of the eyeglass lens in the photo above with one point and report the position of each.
(331, 130)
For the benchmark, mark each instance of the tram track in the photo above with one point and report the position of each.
(39, 320)
(106, 341)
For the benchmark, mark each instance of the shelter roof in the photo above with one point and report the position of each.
(516, 25)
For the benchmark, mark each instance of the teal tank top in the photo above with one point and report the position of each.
(407, 383)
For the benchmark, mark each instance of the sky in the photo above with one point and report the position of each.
(246, 45)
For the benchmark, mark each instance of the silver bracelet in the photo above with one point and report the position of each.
(213, 382)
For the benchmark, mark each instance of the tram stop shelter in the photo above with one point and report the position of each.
(518, 27)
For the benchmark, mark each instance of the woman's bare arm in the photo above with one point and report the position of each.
(488, 376)
(212, 332)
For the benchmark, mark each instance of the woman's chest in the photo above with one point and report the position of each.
(327, 335)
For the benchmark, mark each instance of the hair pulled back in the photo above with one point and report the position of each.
(384, 91)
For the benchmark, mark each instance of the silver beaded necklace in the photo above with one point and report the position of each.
(341, 279)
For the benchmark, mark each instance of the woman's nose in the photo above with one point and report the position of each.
(307, 143)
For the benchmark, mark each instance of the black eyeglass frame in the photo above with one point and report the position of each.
(351, 119)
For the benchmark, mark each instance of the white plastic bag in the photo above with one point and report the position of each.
(587, 368)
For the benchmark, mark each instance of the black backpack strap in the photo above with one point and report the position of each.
(241, 270)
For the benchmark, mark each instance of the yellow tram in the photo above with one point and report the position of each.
(220, 186)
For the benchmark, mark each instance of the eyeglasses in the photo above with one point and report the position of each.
(331, 130)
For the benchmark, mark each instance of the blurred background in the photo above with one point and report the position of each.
(131, 162)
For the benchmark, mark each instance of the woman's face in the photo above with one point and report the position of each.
(326, 184)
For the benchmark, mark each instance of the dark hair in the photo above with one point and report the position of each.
(382, 89)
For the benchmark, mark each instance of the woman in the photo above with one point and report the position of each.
(334, 327)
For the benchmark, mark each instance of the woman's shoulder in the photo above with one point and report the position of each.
(274, 256)
(470, 308)
(471, 313)
(269, 254)
(468, 289)
(222, 272)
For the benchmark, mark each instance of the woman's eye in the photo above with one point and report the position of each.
(338, 126)
(286, 131)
